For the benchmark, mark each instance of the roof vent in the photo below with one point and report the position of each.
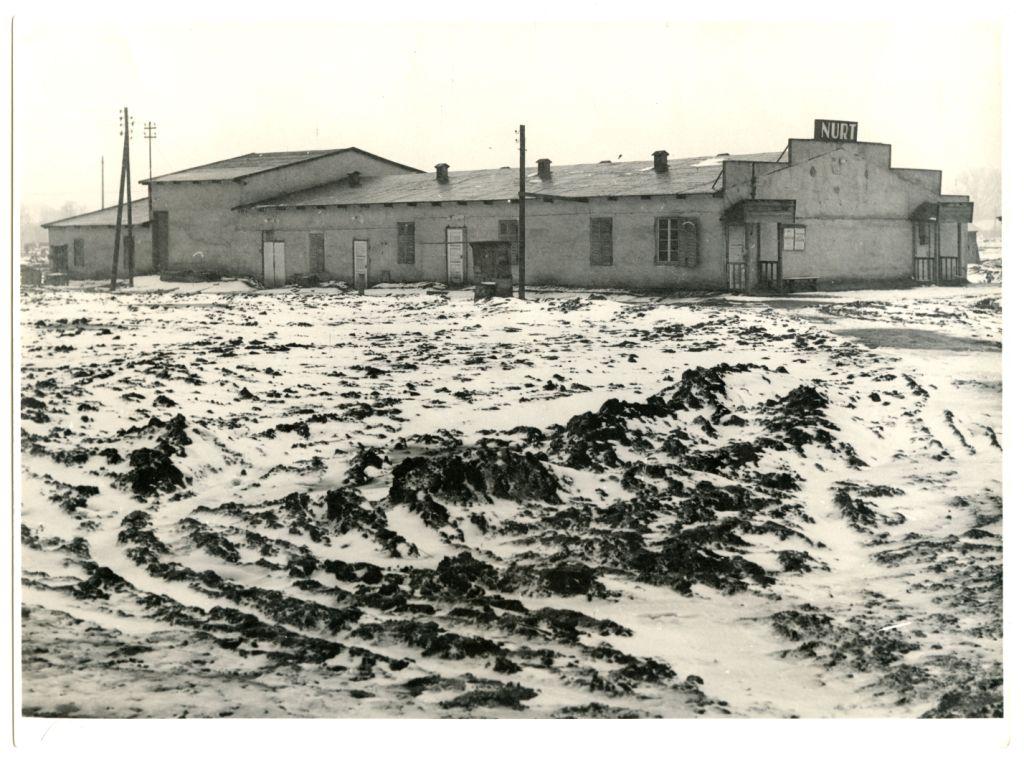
(442, 172)
(544, 169)
(605, 161)
(353, 179)
(660, 161)
(720, 155)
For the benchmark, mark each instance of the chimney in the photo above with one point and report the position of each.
(660, 161)
(353, 179)
(442, 172)
(544, 169)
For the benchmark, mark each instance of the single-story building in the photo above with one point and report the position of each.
(83, 246)
(828, 211)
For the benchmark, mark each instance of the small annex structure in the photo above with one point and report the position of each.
(82, 246)
(827, 211)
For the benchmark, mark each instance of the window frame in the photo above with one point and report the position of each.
(784, 228)
(675, 224)
(600, 238)
(405, 252)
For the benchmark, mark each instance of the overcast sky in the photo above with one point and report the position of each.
(424, 93)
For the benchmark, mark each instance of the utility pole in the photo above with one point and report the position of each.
(522, 211)
(129, 248)
(123, 186)
(150, 133)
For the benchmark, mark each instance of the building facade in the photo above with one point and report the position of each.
(825, 212)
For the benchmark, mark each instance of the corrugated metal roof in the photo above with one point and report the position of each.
(630, 178)
(105, 217)
(254, 163)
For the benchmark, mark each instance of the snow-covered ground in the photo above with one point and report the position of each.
(306, 502)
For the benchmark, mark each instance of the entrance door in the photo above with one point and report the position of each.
(737, 257)
(161, 240)
(455, 247)
(273, 263)
(59, 258)
(924, 252)
(360, 262)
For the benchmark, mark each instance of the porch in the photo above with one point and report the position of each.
(754, 244)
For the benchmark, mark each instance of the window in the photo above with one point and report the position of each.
(406, 243)
(792, 237)
(677, 241)
(600, 240)
(79, 252)
(923, 230)
(317, 263)
(508, 230)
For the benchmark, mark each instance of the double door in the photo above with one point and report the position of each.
(273, 264)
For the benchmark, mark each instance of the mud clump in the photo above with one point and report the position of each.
(969, 704)
(509, 695)
(857, 645)
(430, 638)
(862, 514)
(588, 440)
(491, 469)
(152, 472)
(463, 573)
(570, 579)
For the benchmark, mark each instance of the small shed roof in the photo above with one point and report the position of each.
(574, 181)
(255, 163)
(105, 217)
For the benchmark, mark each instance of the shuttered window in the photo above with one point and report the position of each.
(79, 252)
(677, 242)
(406, 243)
(601, 241)
(508, 230)
(317, 263)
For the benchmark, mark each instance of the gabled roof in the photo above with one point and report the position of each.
(630, 178)
(105, 217)
(255, 163)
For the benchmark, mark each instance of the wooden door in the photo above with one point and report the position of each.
(736, 259)
(317, 263)
(455, 249)
(924, 252)
(161, 239)
(360, 263)
(59, 258)
(273, 264)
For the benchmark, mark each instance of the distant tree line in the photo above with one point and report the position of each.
(33, 217)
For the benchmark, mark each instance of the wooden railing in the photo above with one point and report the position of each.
(737, 276)
(924, 269)
(949, 269)
(946, 271)
(767, 273)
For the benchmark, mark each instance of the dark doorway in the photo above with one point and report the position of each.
(161, 240)
(317, 262)
(59, 258)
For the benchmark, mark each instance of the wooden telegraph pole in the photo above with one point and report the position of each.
(522, 211)
(120, 205)
(124, 186)
(129, 244)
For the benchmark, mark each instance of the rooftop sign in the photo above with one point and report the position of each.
(834, 130)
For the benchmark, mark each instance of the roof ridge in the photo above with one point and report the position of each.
(94, 211)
